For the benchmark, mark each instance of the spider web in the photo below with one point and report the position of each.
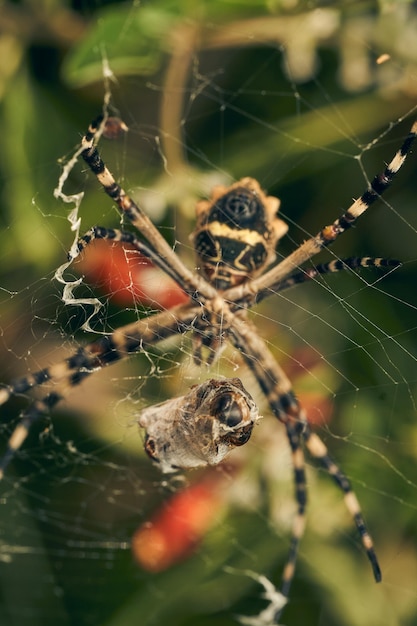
(313, 112)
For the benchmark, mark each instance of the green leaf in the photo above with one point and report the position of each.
(133, 42)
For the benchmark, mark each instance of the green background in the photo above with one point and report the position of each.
(210, 80)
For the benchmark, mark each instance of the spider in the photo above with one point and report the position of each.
(235, 238)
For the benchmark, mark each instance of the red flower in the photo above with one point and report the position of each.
(126, 276)
(178, 527)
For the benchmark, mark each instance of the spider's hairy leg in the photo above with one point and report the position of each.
(123, 342)
(331, 267)
(21, 431)
(277, 389)
(299, 522)
(124, 236)
(380, 183)
(318, 450)
(70, 372)
(189, 281)
(327, 235)
(285, 406)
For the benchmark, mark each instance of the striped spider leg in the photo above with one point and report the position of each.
(285, 406)
(327, 235)
(63, 376)
(235, 238)
(159, 247)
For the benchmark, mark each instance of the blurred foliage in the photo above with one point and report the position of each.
(208, 94)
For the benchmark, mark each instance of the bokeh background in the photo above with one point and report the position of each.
(311, 99)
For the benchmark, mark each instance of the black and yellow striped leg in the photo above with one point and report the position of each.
(299, 521)
(189, 281)
(331, 267)
(277, 389)
(319, 451)
(64, 376)
(21, 431)
(124, 236)
(327, 235)
(285, 406)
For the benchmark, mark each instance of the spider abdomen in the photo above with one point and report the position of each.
(236, 233)
(229, 256)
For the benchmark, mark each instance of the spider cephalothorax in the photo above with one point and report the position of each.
(236, 233)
